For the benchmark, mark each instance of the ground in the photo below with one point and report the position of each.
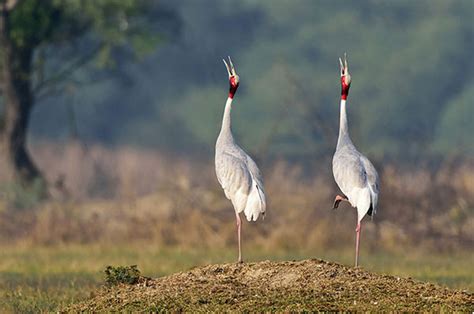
(49, 278)
(278, 286)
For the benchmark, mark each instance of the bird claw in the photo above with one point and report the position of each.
(337, 200)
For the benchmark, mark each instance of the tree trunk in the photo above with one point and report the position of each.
(15, 76)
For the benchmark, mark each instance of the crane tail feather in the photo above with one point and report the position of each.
(363, 203)
(255, 203)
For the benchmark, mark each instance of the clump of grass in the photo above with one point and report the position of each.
(121, 274)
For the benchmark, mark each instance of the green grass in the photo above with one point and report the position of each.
(36, 279)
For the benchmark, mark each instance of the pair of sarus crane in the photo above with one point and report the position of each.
(242, 181)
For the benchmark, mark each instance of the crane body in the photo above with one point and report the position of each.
(236, 172)
(353, 172)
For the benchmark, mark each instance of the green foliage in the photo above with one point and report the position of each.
(121, 274)
(32, 22)
(456, 128)
(102, 26)
(35, 22)
(410, 63)
(206, 104)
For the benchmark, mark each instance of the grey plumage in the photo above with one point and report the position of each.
(353, 172)
(236, 172)
(239, 176)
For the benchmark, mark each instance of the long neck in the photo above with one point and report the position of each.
(226, 130)
(343, 128)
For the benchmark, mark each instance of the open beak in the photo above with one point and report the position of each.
(343, 65)
(230, 67)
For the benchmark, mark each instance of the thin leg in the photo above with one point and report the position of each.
(358, 229)
(339, 199)
(239, 227)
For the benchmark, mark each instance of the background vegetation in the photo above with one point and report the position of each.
(125, 142)
(411, 66)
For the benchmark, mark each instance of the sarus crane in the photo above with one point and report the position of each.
(353, 172)
(237, 173)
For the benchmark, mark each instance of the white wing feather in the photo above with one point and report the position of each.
(242, 182)
(357, 178)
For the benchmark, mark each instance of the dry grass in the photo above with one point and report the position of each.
(278, 286)
(109, 195)
(167, 213)
(47, 278)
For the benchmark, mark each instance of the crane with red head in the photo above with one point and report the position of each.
(236, 171)
(353, 172)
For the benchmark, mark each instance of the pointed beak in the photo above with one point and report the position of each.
(227, 67)
(341, 67)
(344, 66)
(230, 68)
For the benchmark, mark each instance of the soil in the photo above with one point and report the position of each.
(306, 285)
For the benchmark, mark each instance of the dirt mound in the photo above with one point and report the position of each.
(278, 286)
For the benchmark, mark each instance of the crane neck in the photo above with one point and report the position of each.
(226, 129)
(343, 127)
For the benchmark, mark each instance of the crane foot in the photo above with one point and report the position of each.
(339, 199)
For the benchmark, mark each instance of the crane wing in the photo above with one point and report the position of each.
(372, 181)
(232, 174)
(372, 175)
(348, 171)
(258, 196)
(242, 182)
(255, 172)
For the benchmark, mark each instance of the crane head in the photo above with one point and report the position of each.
(345, 77)
(233, 78)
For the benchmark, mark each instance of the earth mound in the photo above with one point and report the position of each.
(306, 285)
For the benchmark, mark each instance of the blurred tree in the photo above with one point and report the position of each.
(43, 42)
(409, 60)
(456, 128)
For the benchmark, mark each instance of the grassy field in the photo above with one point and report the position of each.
(47, 278)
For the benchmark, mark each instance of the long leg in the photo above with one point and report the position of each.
(358, 229)
(239, 228)
(338, 199)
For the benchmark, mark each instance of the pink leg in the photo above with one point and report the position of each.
(239, 227)
(358, 229)
(338, 199)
